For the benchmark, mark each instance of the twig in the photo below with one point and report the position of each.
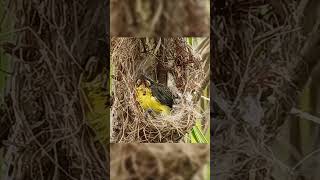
(305, 115)
(203, 85)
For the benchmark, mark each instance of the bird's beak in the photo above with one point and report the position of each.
(148, 83)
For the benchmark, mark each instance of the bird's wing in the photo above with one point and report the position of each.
(163, 94)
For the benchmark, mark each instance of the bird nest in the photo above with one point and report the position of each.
(130, 58)
(158, 161)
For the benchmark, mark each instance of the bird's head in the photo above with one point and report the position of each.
(143, 87)
(144, 80)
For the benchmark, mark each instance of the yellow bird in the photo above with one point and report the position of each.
(153, 96)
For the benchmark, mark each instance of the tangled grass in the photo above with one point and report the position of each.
(130, 59)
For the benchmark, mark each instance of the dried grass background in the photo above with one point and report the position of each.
(130, 59)
(53, 48)
(158, 161)
(160, 18)
(263, 55)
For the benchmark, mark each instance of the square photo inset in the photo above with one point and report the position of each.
(160, 90)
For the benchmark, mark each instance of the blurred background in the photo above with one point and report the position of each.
(159, 18)
(159, 161)
(265, 90)
(54, 85)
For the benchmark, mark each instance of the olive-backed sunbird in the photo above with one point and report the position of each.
(154, 96)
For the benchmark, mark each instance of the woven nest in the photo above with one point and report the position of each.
(130, 59)
(158, 161)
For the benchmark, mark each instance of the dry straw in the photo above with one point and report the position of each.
(130, 58)
(158, 161)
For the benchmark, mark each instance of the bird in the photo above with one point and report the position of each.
(153, 96)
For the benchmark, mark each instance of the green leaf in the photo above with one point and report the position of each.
(190, 42)
(197, 136)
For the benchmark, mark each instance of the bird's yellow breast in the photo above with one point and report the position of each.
(147, 101)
